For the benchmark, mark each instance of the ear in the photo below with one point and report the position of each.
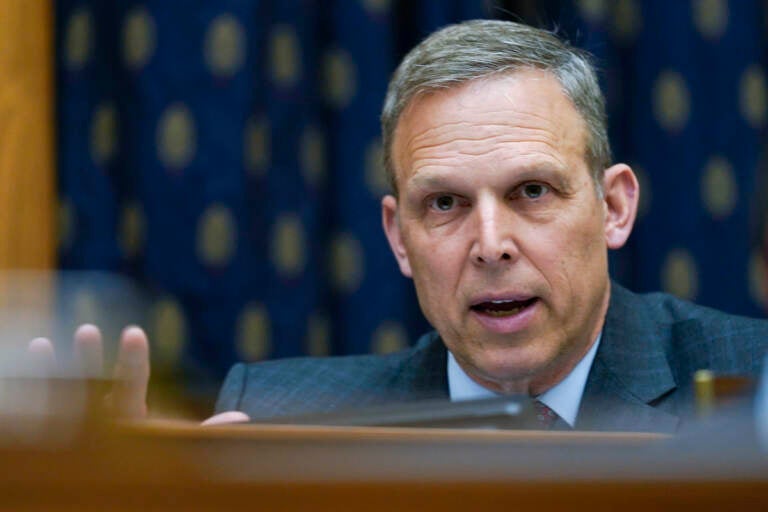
(391, 223)
(621, 193)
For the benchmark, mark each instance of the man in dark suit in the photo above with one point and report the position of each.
(504, 204)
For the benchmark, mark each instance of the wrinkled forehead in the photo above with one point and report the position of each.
(528, 103)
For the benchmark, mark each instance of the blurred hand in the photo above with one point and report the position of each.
(128, 398)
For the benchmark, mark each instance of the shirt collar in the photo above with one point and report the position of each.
(564, 398)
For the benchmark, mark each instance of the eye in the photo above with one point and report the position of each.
(443, 203)
(534, 190)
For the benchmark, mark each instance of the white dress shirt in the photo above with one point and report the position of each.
(564, 398)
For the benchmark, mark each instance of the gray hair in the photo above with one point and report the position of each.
(480, 48)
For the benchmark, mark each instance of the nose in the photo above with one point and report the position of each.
(494, 242)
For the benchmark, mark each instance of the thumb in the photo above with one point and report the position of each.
(225, 418)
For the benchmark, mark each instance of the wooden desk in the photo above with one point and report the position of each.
(175, 465)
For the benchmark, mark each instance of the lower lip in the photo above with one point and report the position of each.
(507, 324)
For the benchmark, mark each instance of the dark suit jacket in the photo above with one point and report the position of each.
(641, 378)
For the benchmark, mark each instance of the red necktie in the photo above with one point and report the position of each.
(545, 416)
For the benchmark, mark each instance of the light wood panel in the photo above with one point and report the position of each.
(26, 135)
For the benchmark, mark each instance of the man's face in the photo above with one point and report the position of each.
(501, 227)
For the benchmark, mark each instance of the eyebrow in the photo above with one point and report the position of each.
(437, 179)
(548, 172)
(431, 180)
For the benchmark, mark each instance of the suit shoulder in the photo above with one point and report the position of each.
(363, 364)
(701, 336)
(715, 323)
(312, 384)
(367, 363)
(663, 308)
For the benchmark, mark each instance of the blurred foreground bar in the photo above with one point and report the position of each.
(157, 466)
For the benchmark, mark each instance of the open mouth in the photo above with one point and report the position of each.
(500, 308)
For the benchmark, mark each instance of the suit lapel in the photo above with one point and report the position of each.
(423, 374)
(630, 372)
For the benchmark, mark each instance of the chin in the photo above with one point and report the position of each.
(510, 367)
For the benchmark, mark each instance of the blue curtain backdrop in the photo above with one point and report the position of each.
(225, 154)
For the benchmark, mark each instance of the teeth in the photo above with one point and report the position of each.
(502, 307)
(507, 312)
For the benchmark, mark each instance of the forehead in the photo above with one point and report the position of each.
(524, 112)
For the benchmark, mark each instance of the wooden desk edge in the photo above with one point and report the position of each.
(192, 430)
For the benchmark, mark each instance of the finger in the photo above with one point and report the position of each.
(225, 418)
(42, 357)
(132, 374)
(89, 351)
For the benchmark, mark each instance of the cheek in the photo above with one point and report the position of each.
(584, 264)
(437, 264)
(568, 254)
(584, 234)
